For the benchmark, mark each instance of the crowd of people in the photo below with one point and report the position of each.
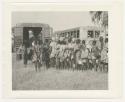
(71, 54)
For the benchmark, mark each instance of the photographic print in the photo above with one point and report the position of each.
(58, 50)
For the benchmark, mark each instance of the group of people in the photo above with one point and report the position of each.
(71, 54)
(78, 54)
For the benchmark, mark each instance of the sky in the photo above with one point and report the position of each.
(57, 20)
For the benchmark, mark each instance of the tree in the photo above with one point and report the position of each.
(100, 18)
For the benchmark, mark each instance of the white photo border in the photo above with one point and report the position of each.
(115, 51)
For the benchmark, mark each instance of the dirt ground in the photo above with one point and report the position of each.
(25, 78)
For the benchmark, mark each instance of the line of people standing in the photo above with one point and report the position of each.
(72, 54)
(77, 54)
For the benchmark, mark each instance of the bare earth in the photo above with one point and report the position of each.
(52, 79)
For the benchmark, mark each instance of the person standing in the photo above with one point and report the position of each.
(73, 44)
(104, 57)
(100, 43)
(46, 54)
(53, 52)
(77, 54)
(95, 55)
(84, 55)
(36, 55)
(25, 56)
(20, 52)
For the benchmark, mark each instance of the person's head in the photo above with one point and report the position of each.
(78, 41)
(106, 40)
(83, 42)
(101, 39)
(69, 40)
(94, 42)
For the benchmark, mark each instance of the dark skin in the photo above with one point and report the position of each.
(37, 62)
(94, 60)
(101, 40)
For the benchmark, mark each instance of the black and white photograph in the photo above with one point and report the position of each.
(59, 50)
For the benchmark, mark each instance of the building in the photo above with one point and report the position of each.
(24, 31)
(83, 33)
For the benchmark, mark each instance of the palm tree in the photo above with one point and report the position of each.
(100, 18)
